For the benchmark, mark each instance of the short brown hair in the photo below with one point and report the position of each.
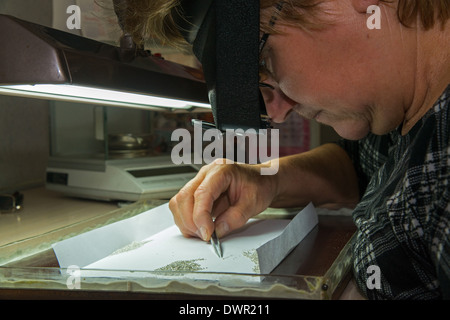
(152, 19)
(429, 12)
(155, 18)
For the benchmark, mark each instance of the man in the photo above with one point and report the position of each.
(386, 93)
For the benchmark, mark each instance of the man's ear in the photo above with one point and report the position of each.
(362, 5)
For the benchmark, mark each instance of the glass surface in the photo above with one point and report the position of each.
(314, 270)
(86, 131)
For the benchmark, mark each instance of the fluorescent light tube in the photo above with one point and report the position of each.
(97, 96)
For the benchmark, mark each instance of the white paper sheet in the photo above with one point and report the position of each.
(94, 245)
(151, 242)
(168, 250)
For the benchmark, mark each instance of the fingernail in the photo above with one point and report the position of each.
(222, 228)
(203, 233)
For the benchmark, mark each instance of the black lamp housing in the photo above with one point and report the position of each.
(34, 54)
(225, 38)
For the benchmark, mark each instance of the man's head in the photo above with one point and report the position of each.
(322, 61)
(344, 74)
(155, 18)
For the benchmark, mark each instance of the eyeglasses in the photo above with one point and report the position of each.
(11, 202)
(262, 43)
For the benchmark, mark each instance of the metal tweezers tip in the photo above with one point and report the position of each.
(216, 244)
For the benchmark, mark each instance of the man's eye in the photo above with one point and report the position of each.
(263, 63)
(266, 65)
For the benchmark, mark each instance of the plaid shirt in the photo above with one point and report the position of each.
(403, 218)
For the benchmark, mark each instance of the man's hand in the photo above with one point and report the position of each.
(232, 193)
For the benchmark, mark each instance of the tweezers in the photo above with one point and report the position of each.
(216, 244)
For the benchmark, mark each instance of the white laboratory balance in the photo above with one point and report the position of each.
(114, 154)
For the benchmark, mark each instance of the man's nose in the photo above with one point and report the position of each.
(278, 105)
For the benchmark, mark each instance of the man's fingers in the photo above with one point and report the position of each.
(231, 219)
(205, 196)
(227, 192)
(182, 206)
